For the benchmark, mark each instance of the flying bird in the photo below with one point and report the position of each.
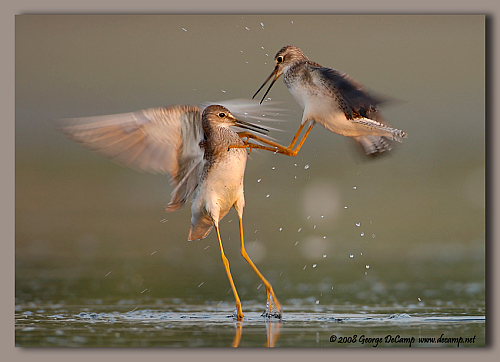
(330, 98)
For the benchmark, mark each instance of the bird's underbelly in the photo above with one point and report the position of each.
(320, 107)
(325, 111)
(221, 189)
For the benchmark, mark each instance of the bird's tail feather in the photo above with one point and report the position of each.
(374, 145)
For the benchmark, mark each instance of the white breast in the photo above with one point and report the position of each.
(222, 187)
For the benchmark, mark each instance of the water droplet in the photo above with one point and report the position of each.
(373, 236)
(223, 91)
(108, 273)
(259, 180)
(295, 164)
(273, 168)
(345, 207)
(324, 237)
(315, 265)
(367, 266)
(354, 187)
(163, 220)
(314, 227)
(299, 230)
(358, 224)
(153, 253)
(246, 27)
(262, 24)
(296, 243)
(351, 256)
(308, 217)
(306, 167)
(268, 195)
(317, 302)
(184, 29)
(324, 255)
(259, 286)
(362, 234)
(419, 299)
(201, 284)
(261, 47)
(206, 247)
(281, 229)
(304, 268)
(360, 253)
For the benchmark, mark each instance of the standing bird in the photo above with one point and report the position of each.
(194, 149)
(331, 99)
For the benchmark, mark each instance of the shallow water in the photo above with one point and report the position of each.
(214, 326)
(134, 302)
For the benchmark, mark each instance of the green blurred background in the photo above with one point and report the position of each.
(87, 229)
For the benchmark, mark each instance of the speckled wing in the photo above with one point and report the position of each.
(355, 101)
(156, 140)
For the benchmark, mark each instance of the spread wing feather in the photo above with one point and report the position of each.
(156, 140)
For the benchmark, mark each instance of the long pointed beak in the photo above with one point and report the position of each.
(276, 76)
(250, 126)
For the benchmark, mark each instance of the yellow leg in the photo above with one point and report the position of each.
(269, 288)
(237, 337)
(273, 333)
(226, 266)
(273, 146)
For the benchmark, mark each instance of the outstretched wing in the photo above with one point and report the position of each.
(156, 140)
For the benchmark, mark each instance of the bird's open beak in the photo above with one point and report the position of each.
(274, 74)
(250, 126)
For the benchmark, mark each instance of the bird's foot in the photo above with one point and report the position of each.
(271, 314)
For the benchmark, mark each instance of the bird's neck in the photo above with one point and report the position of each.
(219, 138)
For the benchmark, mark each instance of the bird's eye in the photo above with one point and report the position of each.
(279, 59)
(222, 114)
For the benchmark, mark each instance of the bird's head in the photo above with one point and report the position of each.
(221, 116)
(283, 60)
